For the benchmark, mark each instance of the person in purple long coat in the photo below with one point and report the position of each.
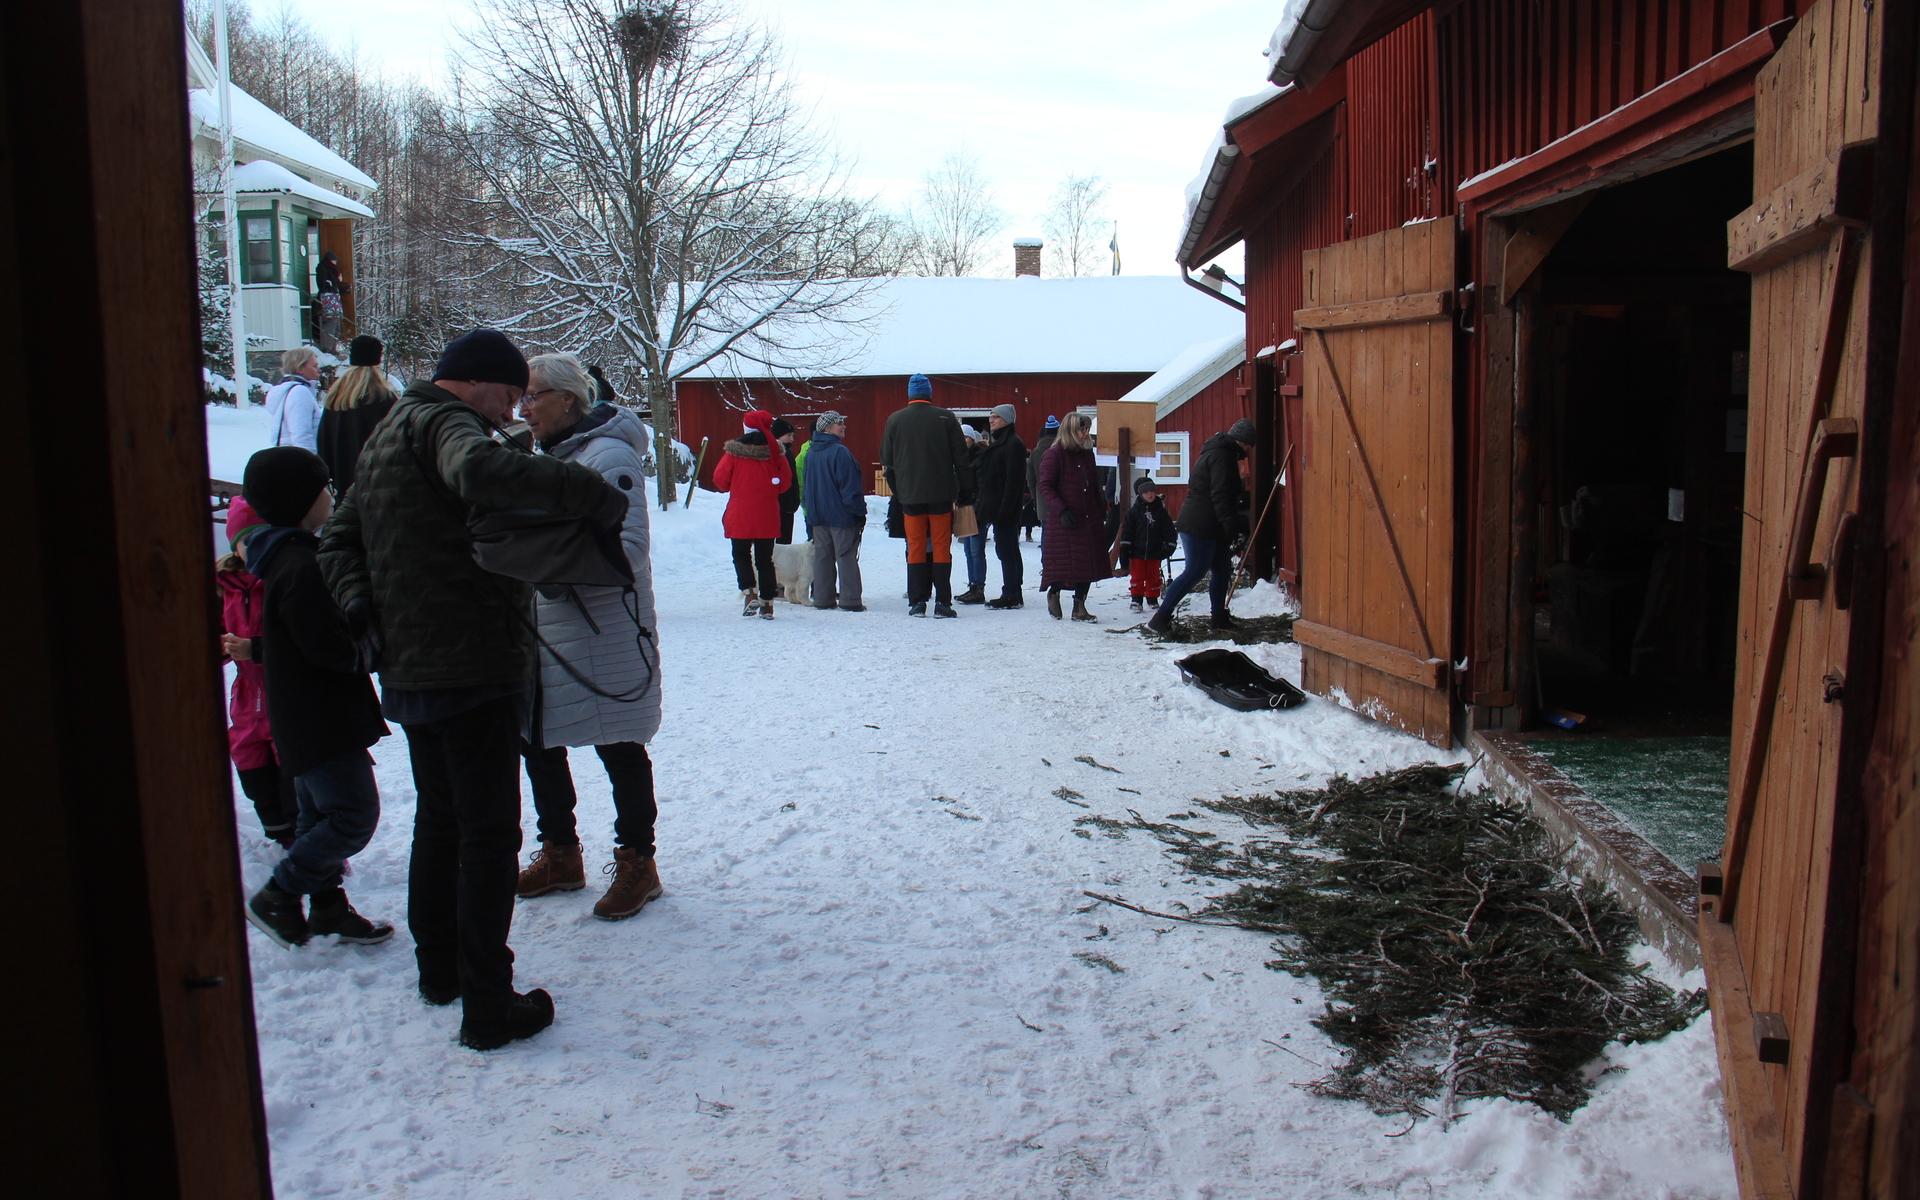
(1073, 550)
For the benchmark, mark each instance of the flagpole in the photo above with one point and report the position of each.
(236, 308)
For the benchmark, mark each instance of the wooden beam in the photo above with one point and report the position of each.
(1381, 656)
(1395, 310)
(1801, 214)
(1534, 236)
(1759, 1158)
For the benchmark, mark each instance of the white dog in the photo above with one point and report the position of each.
(793, 567)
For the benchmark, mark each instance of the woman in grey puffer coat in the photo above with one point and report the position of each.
(593, 629)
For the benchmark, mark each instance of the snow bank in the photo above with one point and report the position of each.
(863, 979)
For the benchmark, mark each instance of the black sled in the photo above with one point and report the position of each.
(1236, 681)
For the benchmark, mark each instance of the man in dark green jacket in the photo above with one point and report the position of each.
(456, 651)
(924, 455)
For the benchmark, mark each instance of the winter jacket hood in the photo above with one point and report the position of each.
(1216, 503)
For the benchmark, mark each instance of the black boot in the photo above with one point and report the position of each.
(277, 914)
(1223, 620)
(919, 586)
(1161, 622)
(521, 1017)
(976, 593)
(1007, 599)
(331, 914)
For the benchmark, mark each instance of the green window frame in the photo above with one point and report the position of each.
(258, 249)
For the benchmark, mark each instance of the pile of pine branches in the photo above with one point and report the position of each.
(1458, 957)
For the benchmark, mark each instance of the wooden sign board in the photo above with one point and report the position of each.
(880, 487)
(1111, 416)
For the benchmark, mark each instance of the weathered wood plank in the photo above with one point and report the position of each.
(1759, 1159)
(1801, 214)
(1534, 236)
(1393, 310)
(1380, 656)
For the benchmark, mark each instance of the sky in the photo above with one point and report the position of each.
(1129, 90)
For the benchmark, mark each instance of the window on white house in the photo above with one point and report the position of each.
(1172, 448)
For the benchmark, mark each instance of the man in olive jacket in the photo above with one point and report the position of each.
(456, 657)
(1212, 517)
(924, 455)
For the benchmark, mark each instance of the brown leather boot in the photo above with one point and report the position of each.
(554, 869)
(635, 881)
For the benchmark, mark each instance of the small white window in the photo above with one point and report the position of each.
(1172, 448)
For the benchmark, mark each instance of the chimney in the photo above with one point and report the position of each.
(1026, 257)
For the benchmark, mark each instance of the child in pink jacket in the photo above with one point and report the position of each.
(249, 736)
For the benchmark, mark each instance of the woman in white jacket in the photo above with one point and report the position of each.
(599, 634)
(293, 404)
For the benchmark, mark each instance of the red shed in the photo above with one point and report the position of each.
(1593, 308)
(1045, 346)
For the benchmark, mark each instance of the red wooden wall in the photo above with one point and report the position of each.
(712, 409)
(1514, 75)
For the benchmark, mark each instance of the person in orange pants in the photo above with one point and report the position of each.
(924, 456)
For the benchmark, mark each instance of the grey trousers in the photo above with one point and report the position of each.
(836, 554)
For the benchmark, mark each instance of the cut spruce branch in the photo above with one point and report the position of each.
(1459, 958)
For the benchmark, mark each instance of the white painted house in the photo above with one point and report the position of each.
(296, 199)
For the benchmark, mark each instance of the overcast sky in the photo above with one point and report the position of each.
(1130, 90)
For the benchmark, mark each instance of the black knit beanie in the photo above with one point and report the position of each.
(282, 482)
(364, 351)
(1241, 431)
(1145, 484)
(483, 356)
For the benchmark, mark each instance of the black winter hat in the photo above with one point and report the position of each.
(780, 427)
(282, 482)
(1145, 484)
(365, 351)
(483, 356)
(603, 388)
(1241, 431)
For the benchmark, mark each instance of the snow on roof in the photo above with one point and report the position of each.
(1022, 325)
(271, 134)
(265, 175)
(1205, 187)
(1189, 373)
(1290, 13)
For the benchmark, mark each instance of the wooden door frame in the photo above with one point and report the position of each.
(1675, 123)
(142, 1051)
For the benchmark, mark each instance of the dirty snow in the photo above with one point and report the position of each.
(862, 980)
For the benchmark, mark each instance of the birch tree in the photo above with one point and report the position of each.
(1074, 225)
(649, 192)
(954, 219)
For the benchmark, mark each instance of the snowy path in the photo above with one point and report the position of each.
(871, 893)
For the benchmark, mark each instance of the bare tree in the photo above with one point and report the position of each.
(954, 219)
(1074, 224)
(648, 190)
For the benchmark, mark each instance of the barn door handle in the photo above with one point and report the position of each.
(1835, 437)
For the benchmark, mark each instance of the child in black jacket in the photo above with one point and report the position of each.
(320, 703)
(1147, 538)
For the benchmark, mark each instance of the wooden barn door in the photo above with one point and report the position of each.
(1375, 468)
(1778, 939)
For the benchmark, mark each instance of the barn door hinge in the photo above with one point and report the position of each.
(1463, 306)
(1833, 686)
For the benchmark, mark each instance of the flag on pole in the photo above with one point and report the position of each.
(1114, 246)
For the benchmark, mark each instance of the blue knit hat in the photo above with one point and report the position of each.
(1053, 422)
(919, 388)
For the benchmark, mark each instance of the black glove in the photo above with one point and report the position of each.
(611, 511)
(1070, 519)
(364, 627)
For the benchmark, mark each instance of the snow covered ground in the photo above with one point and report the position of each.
(862, 978)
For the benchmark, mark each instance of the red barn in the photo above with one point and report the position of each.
(1045, 346)
(1593, 319)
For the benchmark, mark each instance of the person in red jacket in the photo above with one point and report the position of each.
(249, 733)
(753, 472)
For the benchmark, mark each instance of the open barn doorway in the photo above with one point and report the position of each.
(1636, 453)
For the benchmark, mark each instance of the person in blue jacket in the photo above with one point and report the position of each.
(836, 507)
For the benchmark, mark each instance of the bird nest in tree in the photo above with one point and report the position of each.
(1458, 957)
(650, 32)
